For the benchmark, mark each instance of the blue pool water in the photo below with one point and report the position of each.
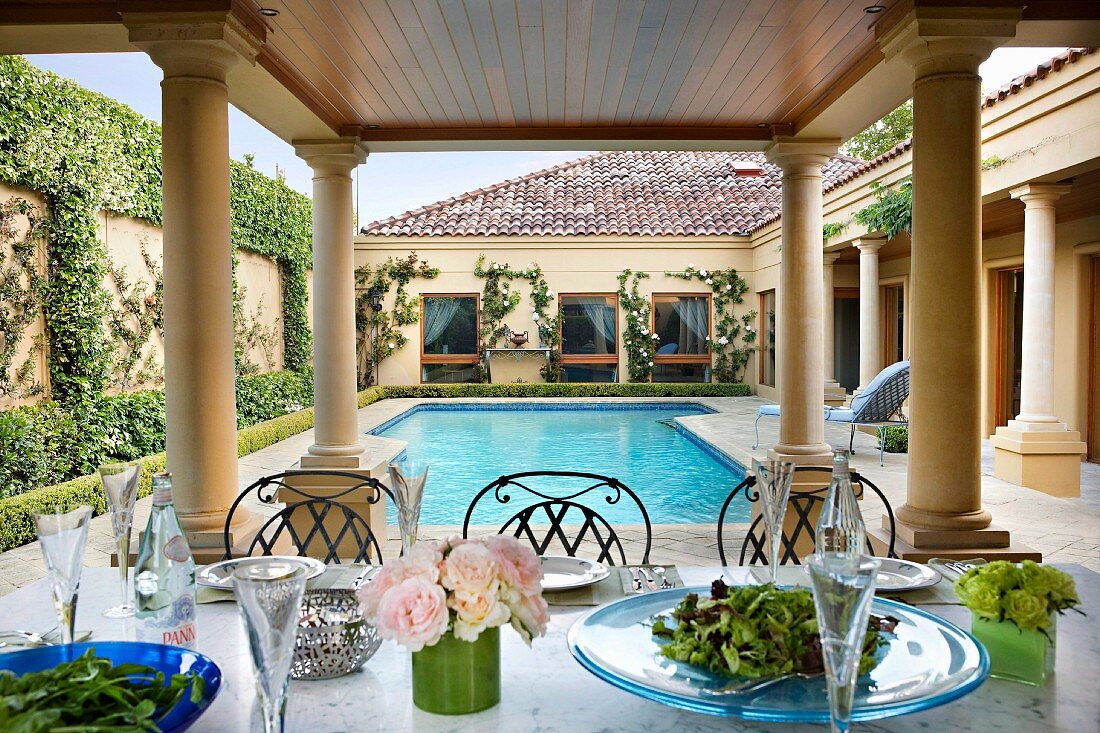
(680, 479)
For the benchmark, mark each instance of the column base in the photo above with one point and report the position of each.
(804, 455)
(1039, 456)
(208, 545)
(368, 465)
(835, 395)
(326, 450)
(921, 545)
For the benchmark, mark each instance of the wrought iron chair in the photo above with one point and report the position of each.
(802, 503)
(879, 406)
(330, 521)
(561, 508)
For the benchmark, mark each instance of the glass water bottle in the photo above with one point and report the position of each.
(164, 577)
(840, 529)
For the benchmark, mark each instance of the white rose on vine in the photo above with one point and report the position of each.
(392, 345)
(723, 340)
(634, 313)
(535, 317)
(691, 265)
(645, 331)
(702, 273)
(729, 287)
(654, 337)
(651, 363)
(709, 281)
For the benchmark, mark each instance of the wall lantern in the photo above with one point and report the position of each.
(375, 296)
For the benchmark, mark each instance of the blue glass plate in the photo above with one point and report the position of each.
(168, 659)
(927, 662)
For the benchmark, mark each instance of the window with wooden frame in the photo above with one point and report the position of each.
(893, 312)
(682, 324)
(449, 326)
(767, 344)
(589, 337)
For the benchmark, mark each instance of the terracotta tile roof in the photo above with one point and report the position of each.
(1069, 56)
(867, 165)
(686, 193)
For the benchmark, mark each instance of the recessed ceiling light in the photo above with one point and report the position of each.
(372, 127)
(761, 124)
(269, 12)
(872, 9)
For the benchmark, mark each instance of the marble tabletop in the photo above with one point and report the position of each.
(545, 690)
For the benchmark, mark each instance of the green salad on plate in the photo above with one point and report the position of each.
(754, 631)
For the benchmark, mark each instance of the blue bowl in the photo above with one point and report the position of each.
(168, 659)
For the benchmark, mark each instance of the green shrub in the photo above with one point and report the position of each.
(47, 444)
(896, 439)
(629, 389)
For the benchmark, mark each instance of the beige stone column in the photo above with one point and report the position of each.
(336, 431)
(199, 373)
(834, 393)
(1035, 449)
(944, 47)
(801, 348)
(870, 314)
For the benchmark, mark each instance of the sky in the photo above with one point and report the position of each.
(389, 183)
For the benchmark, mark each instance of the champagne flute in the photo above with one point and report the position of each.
(269, 596)
(844, 588)
(407, 479)
(62, 535)
(120, 483)
(773, 484)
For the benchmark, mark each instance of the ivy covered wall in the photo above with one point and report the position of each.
(85, 153)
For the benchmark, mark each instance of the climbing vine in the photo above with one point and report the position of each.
(132, 319)
(85, 153)
(728, 289)
(639, 343)
(386, 326)
(499, 298)
(22, 292)
(892, 211)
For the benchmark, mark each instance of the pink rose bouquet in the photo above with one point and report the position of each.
(461, 586)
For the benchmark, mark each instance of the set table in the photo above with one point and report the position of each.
(544, 689)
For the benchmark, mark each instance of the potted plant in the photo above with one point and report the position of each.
(446, 603)
(1015, 611)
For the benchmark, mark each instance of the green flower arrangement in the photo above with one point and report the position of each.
(1025, 594)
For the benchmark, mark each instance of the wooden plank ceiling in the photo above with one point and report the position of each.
(422, 65)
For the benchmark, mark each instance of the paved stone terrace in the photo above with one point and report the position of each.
(1064, 530)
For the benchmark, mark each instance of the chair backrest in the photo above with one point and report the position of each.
(803, 504)
(884, 396)
(316, 523)
(562, 509)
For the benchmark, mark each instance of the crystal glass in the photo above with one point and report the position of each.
(407, 479)
(773, 483)
(844, 588)
(269, 596)
(62, 534)
(120, 483)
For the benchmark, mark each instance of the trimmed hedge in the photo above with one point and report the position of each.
(17, 525)
(628, 389)
(46, 444)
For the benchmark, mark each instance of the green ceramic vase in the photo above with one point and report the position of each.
(456, 677)
(1017, 654)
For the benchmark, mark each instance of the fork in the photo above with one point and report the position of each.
(660, 573)
(637, 580)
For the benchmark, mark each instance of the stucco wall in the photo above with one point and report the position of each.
(35, 333)
(571, 265)
(124, 239)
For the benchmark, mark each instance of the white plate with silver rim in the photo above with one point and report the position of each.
(563, 573)
(220, 574)
(896, 576)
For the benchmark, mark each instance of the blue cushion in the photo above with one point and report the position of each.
(839, 414)
(859, 400)
(772, 410)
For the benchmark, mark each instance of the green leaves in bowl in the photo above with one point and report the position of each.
(90, 695)
(754, 631)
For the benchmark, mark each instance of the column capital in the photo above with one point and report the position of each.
(869, 245)
(829, 258)
(333, 157)
(944, 40)
(203, 44)
(792, 155)
(1040, 195)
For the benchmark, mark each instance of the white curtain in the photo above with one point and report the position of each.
(602, 318)
(438, 314)
(694, 325)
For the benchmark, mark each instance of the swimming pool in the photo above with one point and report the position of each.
(679, 478)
